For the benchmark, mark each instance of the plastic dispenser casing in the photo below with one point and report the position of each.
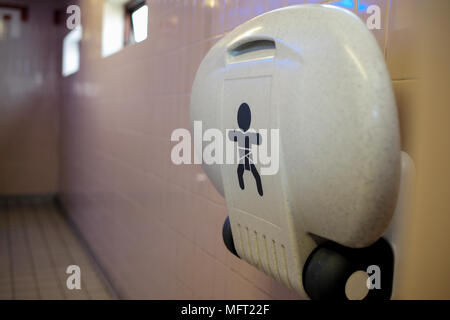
(316, 73)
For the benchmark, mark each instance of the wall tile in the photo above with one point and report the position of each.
(405, 95)
(29, 120)
(401, 45)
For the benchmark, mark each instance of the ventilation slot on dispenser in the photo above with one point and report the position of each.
(252, 50)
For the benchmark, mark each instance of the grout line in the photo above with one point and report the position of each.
(27, 243)
(76, 250)
(50, 254)
(386, 28)
(66, 247)
(11, 263)
(38, 234)
(404, 79)
(22, 255)
(104, 276)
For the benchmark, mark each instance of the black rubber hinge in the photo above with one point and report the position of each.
(228, 237)
(329, 266)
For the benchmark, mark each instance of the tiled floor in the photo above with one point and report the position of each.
(37, 244)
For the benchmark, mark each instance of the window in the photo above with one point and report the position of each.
(124, 23)
(71, 51)
(11, 17)
(137, 22)
(113, 27)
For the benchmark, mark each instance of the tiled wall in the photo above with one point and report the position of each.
(428, 240)
(154, 226)
(29, 74)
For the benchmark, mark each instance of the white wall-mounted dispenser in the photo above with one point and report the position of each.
(315, 73)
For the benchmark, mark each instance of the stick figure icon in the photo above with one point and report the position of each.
(245, 140)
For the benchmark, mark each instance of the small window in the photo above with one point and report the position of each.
(124, 23)
(71, 51)
(10, 21)
(136, 22)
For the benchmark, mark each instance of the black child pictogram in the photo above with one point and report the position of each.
(245, 141)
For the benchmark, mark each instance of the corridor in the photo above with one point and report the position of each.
(37, 244)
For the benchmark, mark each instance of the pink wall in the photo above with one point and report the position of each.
(155, 227)
(29, 74)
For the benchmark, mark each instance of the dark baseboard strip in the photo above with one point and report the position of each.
(26, 198)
